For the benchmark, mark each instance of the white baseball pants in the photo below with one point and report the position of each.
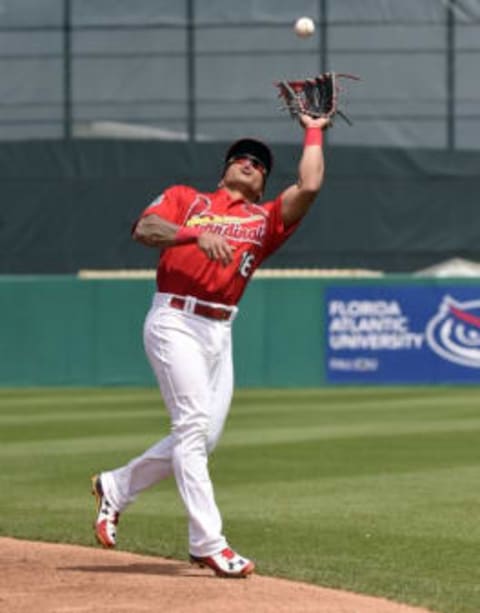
(191, 357)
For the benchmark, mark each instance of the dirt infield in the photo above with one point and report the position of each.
(48, 578)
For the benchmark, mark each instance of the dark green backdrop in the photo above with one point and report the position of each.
(65, 206)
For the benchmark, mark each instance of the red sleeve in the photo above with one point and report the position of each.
(169, 205)
(277, 233)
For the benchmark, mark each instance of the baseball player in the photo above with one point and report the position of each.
(211, 243)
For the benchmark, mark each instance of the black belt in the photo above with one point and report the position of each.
(205, 310)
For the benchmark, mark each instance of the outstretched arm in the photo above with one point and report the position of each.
(297, 198)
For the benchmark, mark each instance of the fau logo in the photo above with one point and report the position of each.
(454, 332)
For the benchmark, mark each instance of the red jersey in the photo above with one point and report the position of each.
(254, 231)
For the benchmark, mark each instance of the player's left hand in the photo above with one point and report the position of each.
(314, 122)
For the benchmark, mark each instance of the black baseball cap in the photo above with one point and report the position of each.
(250, 147)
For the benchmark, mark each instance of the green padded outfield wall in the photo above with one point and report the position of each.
(66, 206)
(61, 330)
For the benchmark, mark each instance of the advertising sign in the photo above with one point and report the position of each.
(402, 334)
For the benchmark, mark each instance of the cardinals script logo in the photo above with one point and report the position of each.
(250, 229)
(454, 332)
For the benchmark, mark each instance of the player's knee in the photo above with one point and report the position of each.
(212, 438)
(191, 432)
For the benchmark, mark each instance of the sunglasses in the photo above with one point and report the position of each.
(255, 162)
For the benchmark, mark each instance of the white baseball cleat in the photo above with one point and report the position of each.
(226, 563)
(105, 525)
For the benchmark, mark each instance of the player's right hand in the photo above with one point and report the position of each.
(215, 247)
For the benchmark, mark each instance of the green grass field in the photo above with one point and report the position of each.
(371, 490)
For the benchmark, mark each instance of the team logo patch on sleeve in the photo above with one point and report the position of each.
(158, 200)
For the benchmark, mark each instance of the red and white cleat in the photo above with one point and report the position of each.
(105, 525)
(226, 563)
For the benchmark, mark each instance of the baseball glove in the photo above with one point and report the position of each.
(317, 97)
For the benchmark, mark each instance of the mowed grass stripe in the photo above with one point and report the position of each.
(285, 434)
(289, 467)
(82, 439)
(341, 457)
(44, 398)
(357, 395)
(45, 408)
(151, 405)
(81, 445)
(358, 392)
(328, 415)
(74, 415)
(352, 405)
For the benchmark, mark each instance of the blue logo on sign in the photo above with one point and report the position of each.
(454, 332)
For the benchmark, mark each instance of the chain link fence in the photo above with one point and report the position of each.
(204, 71)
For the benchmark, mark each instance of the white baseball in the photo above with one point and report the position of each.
(304, 27)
